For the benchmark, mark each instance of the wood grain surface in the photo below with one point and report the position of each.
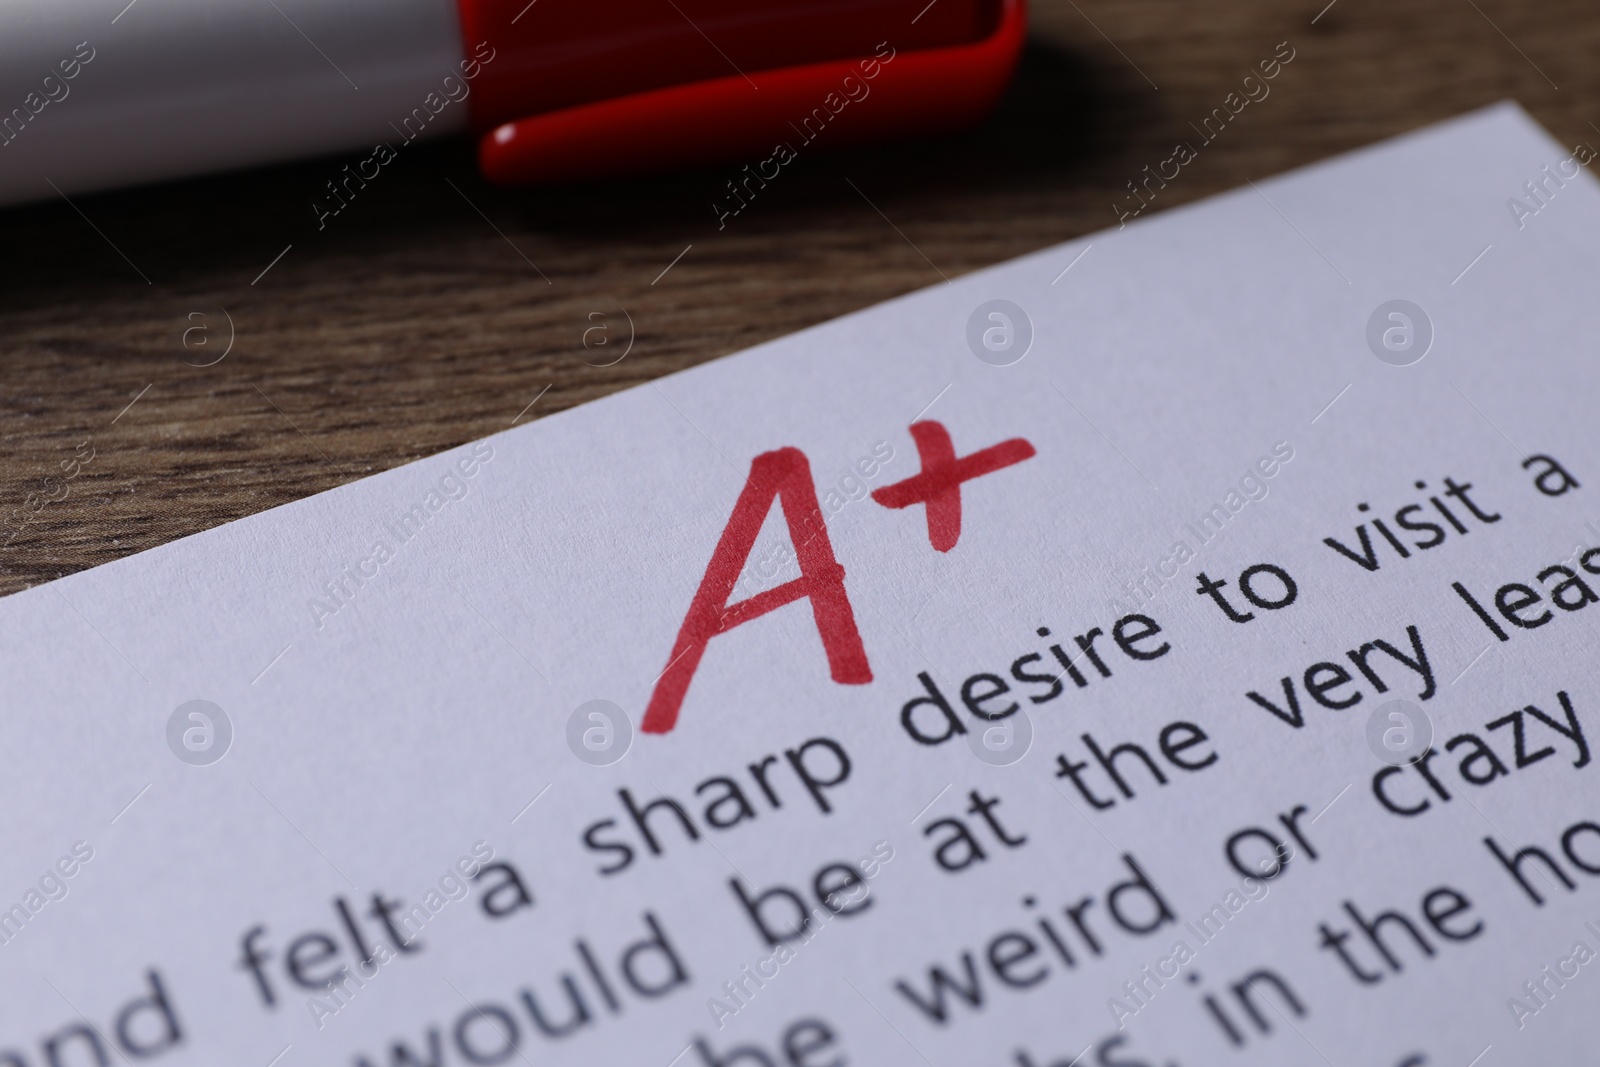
(435, 308)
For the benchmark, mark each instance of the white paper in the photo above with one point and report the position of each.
(378, 741)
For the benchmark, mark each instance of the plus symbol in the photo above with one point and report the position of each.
(938, 486)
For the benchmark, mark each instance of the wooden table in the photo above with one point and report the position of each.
(435, 309)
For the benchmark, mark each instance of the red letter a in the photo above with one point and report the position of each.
(786, 476)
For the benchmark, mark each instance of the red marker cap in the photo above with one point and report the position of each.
(583, 90)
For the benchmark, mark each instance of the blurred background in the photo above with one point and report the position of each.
(154, 331)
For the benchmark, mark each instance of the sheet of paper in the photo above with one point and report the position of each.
(1175, 647)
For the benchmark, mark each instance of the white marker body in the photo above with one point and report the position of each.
(173, 88)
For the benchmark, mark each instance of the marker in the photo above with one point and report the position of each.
(100, 94)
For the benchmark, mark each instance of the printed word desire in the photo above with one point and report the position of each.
(930, 719)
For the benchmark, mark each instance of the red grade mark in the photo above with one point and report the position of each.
(784, 476)
(939, 484)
